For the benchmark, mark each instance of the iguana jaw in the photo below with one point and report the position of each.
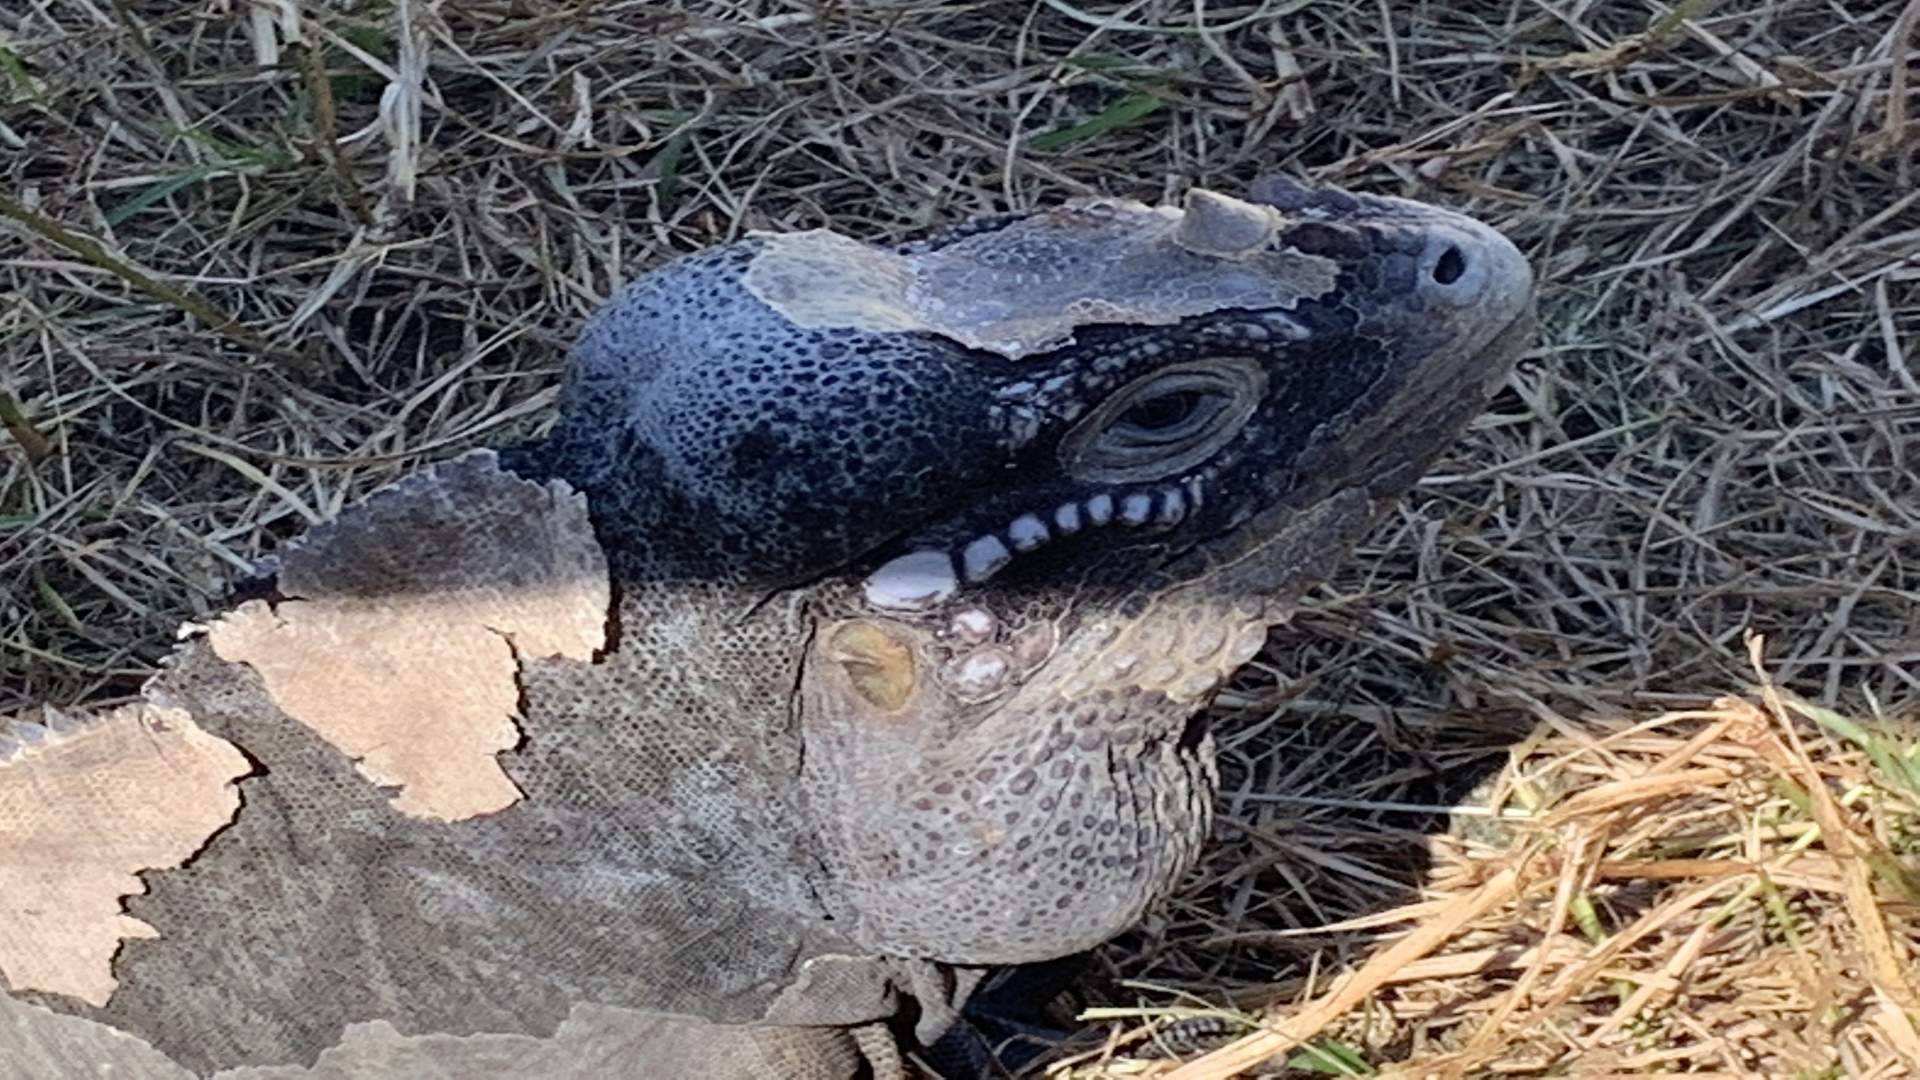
(670, 843)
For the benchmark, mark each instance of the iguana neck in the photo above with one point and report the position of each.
(1046, 827)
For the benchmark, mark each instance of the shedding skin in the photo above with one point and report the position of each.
(592, 1043)
(89, 802)
(416, 680)
(1024, 289)
(851, 633)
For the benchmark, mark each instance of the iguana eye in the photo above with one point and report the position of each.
(1167, 417)
(1165, 422)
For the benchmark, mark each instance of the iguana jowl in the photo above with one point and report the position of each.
(851, 632)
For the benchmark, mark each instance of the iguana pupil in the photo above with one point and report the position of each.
(1164, 417)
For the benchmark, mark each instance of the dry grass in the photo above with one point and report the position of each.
(1705, 891)
(239, 291)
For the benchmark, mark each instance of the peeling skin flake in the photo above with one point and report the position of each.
(399, 645)
(84, 807)
(1024, 288)
(421, 698)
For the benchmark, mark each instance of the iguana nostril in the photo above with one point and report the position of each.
(1460, 262)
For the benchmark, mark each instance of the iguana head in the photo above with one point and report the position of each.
(1046, 482)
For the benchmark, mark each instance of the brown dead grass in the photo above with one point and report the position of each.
(237, 294)
(1701, 891)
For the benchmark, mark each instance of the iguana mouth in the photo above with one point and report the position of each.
(1510, 343)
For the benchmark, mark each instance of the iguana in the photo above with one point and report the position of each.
(851, 633)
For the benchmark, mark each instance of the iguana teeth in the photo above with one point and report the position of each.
(984, 557)
(1066, 518)
(921, 580)
(1027, 533)
(1173, 507)
(1100, 509)
(1195, 492)
(915, 581)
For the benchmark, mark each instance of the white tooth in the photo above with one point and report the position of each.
(1100, 509)
(1067, 518)
(1027, 532)
(983, 557)
(1194, 494)
(1173, 507)
(1135, 509)
(915, 581)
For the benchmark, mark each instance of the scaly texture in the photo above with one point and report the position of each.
(908, 642)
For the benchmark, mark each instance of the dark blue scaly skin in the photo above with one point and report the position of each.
(914, 629)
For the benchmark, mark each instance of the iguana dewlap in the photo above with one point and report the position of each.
(851, 632)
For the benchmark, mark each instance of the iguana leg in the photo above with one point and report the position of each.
(1011, 1019)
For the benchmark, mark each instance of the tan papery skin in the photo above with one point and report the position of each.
(1025, 288)
(85, 806)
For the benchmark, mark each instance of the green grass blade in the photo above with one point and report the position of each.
(1332, 1058)
(160, 191)
(1127, 110)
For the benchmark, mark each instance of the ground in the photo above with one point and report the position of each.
(1655, 620)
